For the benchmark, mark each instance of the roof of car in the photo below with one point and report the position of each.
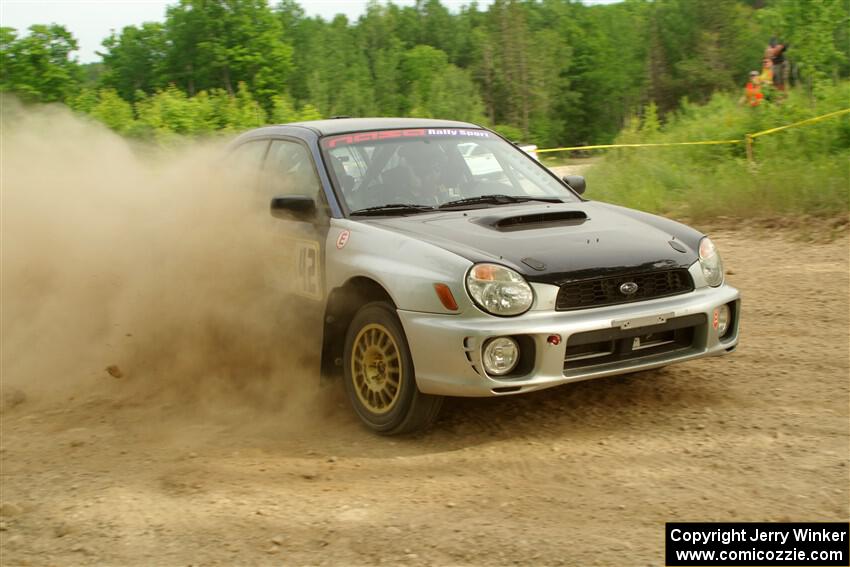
(346, 125)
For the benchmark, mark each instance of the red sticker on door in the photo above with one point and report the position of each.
(342, 239)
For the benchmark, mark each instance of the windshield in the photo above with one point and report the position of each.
(430, 167)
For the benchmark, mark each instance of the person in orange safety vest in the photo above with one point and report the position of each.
(752, 93)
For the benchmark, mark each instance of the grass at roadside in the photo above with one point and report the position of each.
(561, 160)
(801, 171)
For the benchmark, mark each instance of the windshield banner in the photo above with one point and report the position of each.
(377, 135)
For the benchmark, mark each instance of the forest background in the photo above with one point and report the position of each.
(550, 72)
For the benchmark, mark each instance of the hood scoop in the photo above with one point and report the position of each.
(535, 220)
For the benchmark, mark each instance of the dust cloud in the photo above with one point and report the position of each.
(138, 272)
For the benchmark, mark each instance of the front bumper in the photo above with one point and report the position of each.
(446, 349)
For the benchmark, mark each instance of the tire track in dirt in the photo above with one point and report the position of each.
(582, 474)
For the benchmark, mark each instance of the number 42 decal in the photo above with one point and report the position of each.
(307, 269)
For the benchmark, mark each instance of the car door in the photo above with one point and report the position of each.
(289, 174)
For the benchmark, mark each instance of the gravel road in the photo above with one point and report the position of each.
(587, 474)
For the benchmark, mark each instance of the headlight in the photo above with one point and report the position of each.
(709, 260)
(499, 290)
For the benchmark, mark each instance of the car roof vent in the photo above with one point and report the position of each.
(538, 220)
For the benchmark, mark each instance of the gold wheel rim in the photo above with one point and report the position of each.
(376, 368)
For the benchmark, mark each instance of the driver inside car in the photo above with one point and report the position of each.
(434, 180)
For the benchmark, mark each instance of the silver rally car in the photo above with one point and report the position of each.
(437, 259)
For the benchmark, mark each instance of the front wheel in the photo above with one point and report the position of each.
(379, 377)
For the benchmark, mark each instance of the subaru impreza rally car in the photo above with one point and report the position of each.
(438, 259)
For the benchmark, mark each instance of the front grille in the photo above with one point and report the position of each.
(606, 346)
(606, 291)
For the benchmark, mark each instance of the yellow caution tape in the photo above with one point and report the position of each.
(801, 123)
(748, 137)
(603, 146)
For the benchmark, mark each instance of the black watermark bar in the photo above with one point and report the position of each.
(744, 544)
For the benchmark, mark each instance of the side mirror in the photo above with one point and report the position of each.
(576, 183)
(293, 206)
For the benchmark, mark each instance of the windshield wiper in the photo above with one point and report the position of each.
(398, 208)
(496, 200)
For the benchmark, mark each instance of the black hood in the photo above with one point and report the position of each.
(556, 243)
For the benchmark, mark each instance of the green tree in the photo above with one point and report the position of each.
(384, 50)
(220, 43)
(437, 27)
(438, 89)
(310, 112)
(700, 46)
(283, 110)
(650, 124)
(452, 95)
(166, 113)
(421, 66)
(135, 60)
(114, 111)
(551, 71)
(818, 33)
(38, 66)
(83, 101)
(340, 82)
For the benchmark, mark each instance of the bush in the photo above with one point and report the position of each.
(512, 133)
(799, 170)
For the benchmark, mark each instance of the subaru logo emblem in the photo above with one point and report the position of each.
(628, 288)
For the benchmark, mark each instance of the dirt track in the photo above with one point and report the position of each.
(579, 475)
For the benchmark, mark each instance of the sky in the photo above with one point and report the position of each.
(91, 21)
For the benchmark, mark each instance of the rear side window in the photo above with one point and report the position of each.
(244, 162)
(289, 170)
(249, 155)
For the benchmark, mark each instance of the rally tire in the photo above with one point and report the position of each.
(380, 380)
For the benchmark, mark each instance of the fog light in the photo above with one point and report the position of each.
(500, 356)
(722, 318)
